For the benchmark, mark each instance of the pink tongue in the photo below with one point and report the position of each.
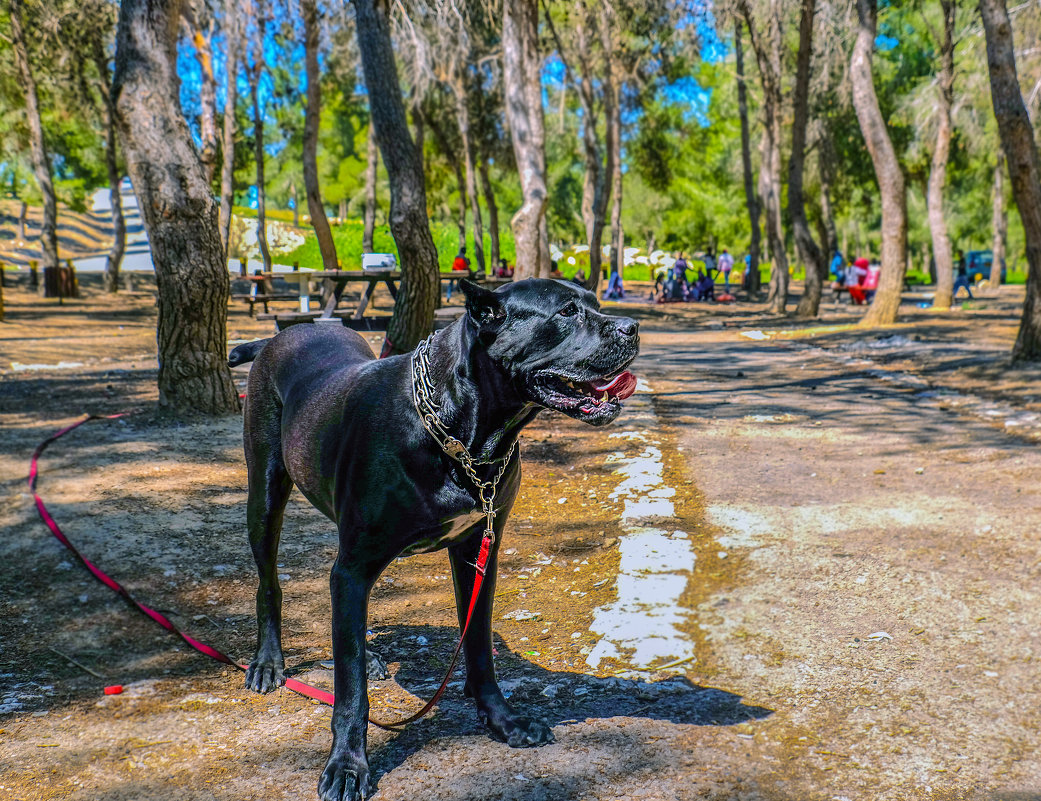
(622, 386)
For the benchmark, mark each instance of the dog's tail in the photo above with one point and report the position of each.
(245, 353)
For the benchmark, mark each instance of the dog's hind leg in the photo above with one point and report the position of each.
(269, 488)
(499, 717)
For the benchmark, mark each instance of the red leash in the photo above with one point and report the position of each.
(298, 687)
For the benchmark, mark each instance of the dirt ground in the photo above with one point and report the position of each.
(848, 520)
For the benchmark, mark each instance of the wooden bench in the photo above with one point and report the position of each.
(442, 319)
(262, 290)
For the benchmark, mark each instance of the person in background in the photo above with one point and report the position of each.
(503, 270)
(855, 275)
(579, 278)
(459, 265)
(615, 290)
(961, 276)
(726, 264)
(554, 271)
(837, 264)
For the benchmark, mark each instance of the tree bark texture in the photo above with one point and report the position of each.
(232, 51)
(463, 116)
(119, 229)
(315, 207)
(812, 257)
(493, 213)
(371, 164)
(420, 288)
(999, 222)
(768, 57)
(938, 166)
(527, 131)
(254, 72)
(891, 186)
(201, 41)
(1017, 140)
(752, 281)
(37, 146)
(179, 213)
(826, 161)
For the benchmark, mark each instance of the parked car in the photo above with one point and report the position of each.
(979, 262)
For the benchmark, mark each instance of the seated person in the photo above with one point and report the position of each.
(580, 278)
(855, 275)
(614, 290)
(503, 270)
(460, 264)
(704, 288)
(554, 271)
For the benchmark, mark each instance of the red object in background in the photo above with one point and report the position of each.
(862, 262)
(114, 689)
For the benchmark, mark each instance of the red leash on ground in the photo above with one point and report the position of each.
(298, 687)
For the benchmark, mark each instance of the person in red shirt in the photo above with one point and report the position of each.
(460, 264)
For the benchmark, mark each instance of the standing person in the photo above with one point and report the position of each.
(726, 264)
(459, 265)
(709, 259)
(837, 262)
(961, 276)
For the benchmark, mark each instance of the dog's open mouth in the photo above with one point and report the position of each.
(587, 400)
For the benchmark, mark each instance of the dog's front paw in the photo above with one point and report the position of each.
(344, 780)
(264, 677)
(519, 732)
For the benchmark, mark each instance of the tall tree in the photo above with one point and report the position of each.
(588, 25)
(938, 168)
(1017, 140)
(315, 207)
(232, 55)
(371, 163)
(254, 71)
(813, 258)
(752, 279)
(523, 95)
(199, 22)
(119, 229)
(179, 212)
(420, 287)
(767, 48)
(999, 221)
(884, 307)
(38, 148)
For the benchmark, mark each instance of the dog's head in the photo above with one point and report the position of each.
(555, 346)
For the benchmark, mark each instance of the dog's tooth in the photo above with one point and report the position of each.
(603, 398)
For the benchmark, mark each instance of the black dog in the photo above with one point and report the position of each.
(349, 431)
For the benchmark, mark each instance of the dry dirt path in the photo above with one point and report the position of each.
(760, 511)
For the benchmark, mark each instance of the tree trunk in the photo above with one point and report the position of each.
(233, 43)
(255, 70)
(207, 92)
(520, 46)
(463, 115)
(420, 288)
(38, 148)
(1017, 140)
(179, 213)
(891, 185)
(23, 213)
(752, 280)
(315, 207)
(119, 230)
(460, 220)
(1000, 222)
(814, 261)
(938, 167)
(493, 213)
(371, 164)
(768, 57)
(826, 160)
(613, 141)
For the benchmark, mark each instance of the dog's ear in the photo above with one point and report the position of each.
(483, 306)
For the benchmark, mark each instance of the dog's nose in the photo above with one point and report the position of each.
(626, 326)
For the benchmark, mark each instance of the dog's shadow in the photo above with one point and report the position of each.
(421, 653)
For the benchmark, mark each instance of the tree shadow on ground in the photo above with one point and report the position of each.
(418, 656)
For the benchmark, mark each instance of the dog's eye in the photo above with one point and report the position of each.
(570, 310)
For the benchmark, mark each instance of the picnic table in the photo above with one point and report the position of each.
(334, 283)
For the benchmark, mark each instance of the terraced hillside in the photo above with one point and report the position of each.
(80, 234)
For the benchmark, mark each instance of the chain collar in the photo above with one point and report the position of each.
(427, 409)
